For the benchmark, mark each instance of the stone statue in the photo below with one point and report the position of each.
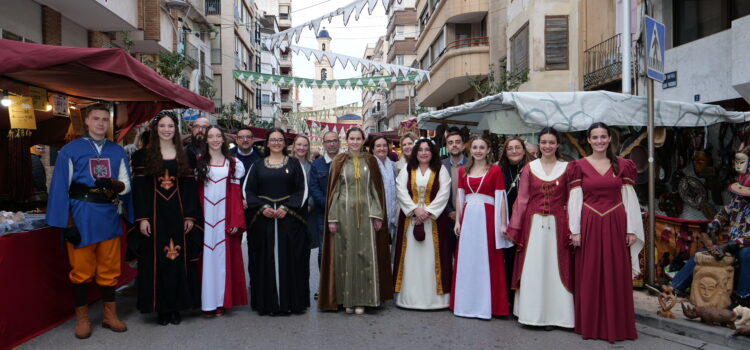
(710, 315)
(667, 300)
(712, 281)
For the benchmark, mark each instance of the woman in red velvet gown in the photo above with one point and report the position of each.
(605, 222)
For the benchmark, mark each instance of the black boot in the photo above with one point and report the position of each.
(175, 318)
(163, 318)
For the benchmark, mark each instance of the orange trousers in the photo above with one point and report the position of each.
(99, 261)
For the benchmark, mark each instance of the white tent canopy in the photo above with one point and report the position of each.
(513, 113)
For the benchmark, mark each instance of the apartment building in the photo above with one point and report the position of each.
(708, 45)
(374, 106)
(453, 43)
(270, 59)
(539, 35)
(402, 32)
(282, 10)
(235, 45)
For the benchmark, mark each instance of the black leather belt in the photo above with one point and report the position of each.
(85, 193)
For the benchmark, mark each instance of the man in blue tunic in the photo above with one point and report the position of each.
(90, 188)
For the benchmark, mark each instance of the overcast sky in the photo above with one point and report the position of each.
(350, 40)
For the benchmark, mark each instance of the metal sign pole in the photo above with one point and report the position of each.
(651, 184)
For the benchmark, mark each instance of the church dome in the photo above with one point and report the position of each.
(324, 34)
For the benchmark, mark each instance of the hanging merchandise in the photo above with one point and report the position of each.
(323, 113)
(369, 83)
(356, 62)
(294, 33)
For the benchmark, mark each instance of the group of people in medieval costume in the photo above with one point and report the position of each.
(554, 243)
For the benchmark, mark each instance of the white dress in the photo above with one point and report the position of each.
(542, 299)
(419, 281)
(214, 235)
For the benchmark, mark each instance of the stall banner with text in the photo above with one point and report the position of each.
(21, 112)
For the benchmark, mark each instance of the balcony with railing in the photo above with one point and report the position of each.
(603, 63)
(450, 65)
(460, 44)
(285, 60)
(193, 54)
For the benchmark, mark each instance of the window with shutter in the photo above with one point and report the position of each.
(556, 42)
(519, 49)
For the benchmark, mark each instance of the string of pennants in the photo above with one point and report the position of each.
(369, 83)
(356, 62)
(354, 7)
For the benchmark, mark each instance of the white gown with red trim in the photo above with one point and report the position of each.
(215, 235)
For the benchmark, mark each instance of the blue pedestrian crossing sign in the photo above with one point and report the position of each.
(654, 49)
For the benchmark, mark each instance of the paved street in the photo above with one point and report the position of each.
(387, 328)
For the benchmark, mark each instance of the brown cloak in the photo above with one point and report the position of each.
(327, 293)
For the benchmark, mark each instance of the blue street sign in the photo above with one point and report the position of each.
(654, 49)
(191, 114)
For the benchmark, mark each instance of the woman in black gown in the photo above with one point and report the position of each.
(166, 207)
(276, 190)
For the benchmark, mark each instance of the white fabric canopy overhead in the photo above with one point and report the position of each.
(527, 112)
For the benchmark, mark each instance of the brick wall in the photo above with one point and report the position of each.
(51, 26)
(98, 39)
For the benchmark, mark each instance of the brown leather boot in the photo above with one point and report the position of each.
(111, 320)
(83, 323)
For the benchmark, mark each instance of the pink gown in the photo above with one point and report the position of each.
(603, 264)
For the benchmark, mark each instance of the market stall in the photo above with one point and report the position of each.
(46, 88)
(695, 150)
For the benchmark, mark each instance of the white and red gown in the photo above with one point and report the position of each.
(542, 275)
(479, 285)
(223, 283)
(604, 208)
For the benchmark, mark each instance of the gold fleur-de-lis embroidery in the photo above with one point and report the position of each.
(166, 181)
(173, 251)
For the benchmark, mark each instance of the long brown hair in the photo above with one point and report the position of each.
(435, 163)
(204, 159)
(470, 162)
(504, 161)
(610, 150)
(154, 159)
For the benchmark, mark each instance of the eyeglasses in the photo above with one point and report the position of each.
(204, 127)
(331, 141)
(275, 140)
(244, 137)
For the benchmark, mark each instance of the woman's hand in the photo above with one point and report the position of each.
(631, 238)
(333, 227)
(457, 229)
(377, 224)
(575, 240)
(269, 213)
(188, 225)
(145, 228)
(233, 230)
(281, 213)
(421, 214)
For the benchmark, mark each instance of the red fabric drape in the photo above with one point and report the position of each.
(36, 294)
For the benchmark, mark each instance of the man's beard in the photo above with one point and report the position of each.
(197, 143)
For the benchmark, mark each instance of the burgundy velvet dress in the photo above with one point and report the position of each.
(603, 275)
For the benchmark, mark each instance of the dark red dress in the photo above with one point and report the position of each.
(603, 280)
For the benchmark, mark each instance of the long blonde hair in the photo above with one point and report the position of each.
(308, 156)
(470, 162)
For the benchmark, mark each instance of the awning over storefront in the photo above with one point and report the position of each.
(96, 74)
(528, 112)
